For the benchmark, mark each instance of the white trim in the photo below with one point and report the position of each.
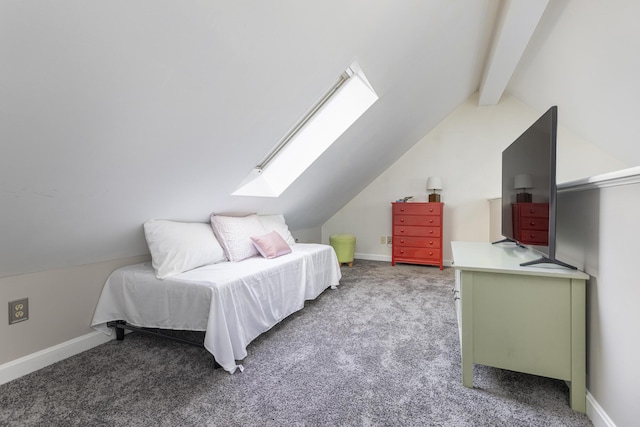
(387, 258)
(621, 177)
(373, 257)
(596, 414)
(25, 365)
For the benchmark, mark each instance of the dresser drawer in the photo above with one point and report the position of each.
(535, 210)
(533, 223)
(426, 254)
(428, 220)
(416, 209)
(416, 242)
(534, 237)
(402, 230)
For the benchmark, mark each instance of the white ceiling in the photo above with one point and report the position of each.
(116, 112)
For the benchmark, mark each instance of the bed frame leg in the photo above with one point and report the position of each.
(119, 329)
(119, 334)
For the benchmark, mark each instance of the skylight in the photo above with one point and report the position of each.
(341, 106)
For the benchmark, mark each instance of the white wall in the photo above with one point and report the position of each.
(495, 220)
(598, 233)
(307, 235)
(465, 151)
(61, 305)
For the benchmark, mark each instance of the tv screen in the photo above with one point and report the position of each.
(529, 188)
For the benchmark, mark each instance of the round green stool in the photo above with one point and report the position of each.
(345, 246)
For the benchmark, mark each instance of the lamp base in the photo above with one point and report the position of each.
(433, 197)
(524, 198)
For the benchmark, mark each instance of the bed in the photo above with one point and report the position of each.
(232, 302)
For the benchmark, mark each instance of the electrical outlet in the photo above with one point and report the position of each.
(383, 240)
(389, 241)
(18, 310)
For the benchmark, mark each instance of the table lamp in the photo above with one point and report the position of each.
(434, 183)
(523, 182)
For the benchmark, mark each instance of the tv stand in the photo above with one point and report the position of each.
(507, 240)
(520, 318)
(504, 241)
(545, 260)
(541, 260)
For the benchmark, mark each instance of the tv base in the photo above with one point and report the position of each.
(545, 260)
(509, 241)
(541, 260)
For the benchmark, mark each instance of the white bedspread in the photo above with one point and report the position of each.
(232, 302)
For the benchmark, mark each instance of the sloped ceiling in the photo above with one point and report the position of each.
(112, 113)
(583, 57)
(117, 112)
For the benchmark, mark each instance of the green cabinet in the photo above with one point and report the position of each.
(525, 319)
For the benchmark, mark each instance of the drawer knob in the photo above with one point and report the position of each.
(401, 240)
(402, 230)
(532, 236)
(430, 253)
(430, 210)
(430, 221)
(532, 211)
(401, 209)
(401, 219)
(431, 242)
(430, 231)
(532, 223)
(401, 251)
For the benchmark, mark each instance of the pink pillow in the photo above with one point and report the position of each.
(271, 245)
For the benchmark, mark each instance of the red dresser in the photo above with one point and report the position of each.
(531, 223)
(417, 233)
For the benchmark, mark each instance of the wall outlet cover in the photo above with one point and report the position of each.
(18, 310)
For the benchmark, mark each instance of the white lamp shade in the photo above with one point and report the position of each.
(434, 183)
(523, 181)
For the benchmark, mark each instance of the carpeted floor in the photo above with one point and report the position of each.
(382, 349)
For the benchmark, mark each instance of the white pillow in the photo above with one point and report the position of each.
(276, 223)
(234, 234)
(177, 247)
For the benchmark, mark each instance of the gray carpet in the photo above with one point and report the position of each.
(382, 349)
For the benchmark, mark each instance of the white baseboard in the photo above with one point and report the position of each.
(373, 257)
(16, 368)
(596, 414)
(387, 258)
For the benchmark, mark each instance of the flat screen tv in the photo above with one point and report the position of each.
(529, 189)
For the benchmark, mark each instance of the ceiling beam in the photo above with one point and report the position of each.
(517, 22)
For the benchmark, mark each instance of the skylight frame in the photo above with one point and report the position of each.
(341, 106)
